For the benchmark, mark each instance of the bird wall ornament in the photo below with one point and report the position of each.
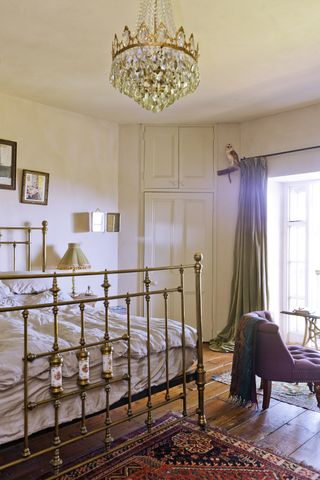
(232, 156)
(233, 159)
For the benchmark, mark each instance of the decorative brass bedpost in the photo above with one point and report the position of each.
(56, 461)
(26, 451)
(56, 387)
(147, 282)
(14, 246)
(183, 342)
(44, 244)
(29, 249)
(106, 349)
(107, 437)
(201, 374)
(107, 364)
(56, 360)
(165, 297)
(84, 371)
(129, 409)
(83, 354)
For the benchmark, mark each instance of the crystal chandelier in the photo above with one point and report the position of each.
(157, 64)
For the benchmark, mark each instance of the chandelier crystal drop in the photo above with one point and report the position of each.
(157, 64)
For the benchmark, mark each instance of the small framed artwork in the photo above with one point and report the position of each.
(8, 164)
(35, 186)
(113, 222)
(97, 221)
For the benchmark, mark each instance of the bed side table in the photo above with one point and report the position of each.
(83, 296)
(311, 330)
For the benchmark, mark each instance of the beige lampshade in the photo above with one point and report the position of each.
(74, 258)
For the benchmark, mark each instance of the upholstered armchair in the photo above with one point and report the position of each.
(275, 361)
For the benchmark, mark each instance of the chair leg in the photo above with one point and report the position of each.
(311, 388)
(267, 386)
(317, 392)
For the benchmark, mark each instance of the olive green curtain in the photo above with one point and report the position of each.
(249, 289)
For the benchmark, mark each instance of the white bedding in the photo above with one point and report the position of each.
(41, 339)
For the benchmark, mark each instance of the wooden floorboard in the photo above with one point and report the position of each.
(309, 452)
(283, 428)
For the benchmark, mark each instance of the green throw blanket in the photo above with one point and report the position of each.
(243, 381)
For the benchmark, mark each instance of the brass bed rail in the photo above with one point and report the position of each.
(27, 242)
(108, 379)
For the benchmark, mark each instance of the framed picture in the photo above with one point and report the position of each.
(35, 187)
(8, 164)
(97, 221)
(113, 222)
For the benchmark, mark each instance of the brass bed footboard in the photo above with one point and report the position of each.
(82, 348)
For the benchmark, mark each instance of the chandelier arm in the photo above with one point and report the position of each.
(155, 44)
(167, 7)
(155, 22)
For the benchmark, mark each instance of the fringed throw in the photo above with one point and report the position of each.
(243, 381)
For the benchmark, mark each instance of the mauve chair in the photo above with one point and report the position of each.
(275, 361)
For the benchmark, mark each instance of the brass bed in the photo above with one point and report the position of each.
(79, 356)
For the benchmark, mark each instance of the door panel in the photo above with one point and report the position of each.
(177, 225)
(161, 162)
(196, 157)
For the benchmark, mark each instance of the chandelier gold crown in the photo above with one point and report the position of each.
(157, 65)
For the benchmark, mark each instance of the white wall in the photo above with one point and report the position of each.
(81, 155)
(285, 131)
(130, 240)
(226, 210)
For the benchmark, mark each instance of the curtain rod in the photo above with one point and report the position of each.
(282, 153)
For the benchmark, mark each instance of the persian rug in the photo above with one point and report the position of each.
(178, 449)
(296, 394)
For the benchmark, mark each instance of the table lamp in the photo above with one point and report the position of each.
(74, 259)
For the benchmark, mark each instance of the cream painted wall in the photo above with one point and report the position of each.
(286, 131)
(130, 206)
(226, 210)
(81, 155)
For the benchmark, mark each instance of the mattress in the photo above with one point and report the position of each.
(41, 338)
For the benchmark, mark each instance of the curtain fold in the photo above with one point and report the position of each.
(249, 288)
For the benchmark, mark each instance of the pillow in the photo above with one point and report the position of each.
(43, 297)
(27, 285)
(4, 290)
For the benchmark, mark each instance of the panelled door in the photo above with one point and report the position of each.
(196, 157)
(161, 151)
(177, 225)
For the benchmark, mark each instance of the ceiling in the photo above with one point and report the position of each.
(257, 57)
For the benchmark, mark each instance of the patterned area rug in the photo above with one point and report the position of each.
(177, 449)
(298, 395)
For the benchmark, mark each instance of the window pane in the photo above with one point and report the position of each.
(297, 203)
(297, 242)
(297, 281)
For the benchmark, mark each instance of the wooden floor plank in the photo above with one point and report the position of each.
(259, 426)
(286, 439)
(308, 419)
(309, 452)
(292, 430)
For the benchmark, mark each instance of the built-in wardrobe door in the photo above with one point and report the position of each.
(161, 162)
(177, 225)
(196, 157)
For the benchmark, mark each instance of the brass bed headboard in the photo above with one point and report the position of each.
(27, 242)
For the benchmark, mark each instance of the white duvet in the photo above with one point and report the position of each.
(40, 339)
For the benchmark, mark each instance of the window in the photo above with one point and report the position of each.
(302, 249)
(294, 249)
